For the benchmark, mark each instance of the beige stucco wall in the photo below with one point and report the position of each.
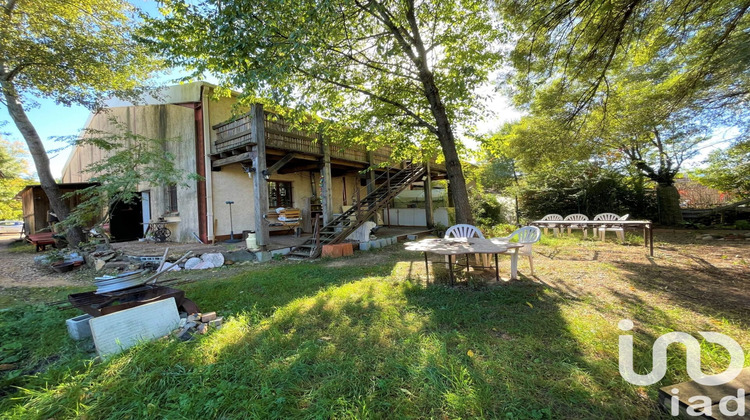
(151, 121)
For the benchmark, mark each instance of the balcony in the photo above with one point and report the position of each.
(234, 143)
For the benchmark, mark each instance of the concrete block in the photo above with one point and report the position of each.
(78, 327)
(374, 244)
(411, 237)
(364, 246)
(121, 330)
(216, 323)
(383, 242)
(263, 256)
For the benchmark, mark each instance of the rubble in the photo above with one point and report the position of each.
(198, 323)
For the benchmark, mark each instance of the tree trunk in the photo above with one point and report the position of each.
(41, 160)
(448, 143)
(668, 197)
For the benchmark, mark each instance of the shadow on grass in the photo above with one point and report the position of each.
(324, 342)
(705, 288)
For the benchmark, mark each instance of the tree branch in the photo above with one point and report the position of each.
(421, 122)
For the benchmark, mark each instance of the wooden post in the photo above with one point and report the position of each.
(371, 182)
(428, 198)
(326, 196)
(388, 203)
(259, 180)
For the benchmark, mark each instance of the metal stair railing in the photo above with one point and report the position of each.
(362, 210)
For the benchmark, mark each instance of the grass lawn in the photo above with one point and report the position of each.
(365, 337)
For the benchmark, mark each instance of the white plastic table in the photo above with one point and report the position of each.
(453, 247)
(646, 225)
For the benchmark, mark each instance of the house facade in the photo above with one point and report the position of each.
(256, 161)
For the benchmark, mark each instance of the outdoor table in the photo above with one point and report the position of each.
(453, 247)
(646, 225)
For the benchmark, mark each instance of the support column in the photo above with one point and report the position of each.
(370, 173)
(326, 196)
(428, 214)
(259, 180)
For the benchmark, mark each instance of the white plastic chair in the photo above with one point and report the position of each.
(467, 231)
(618, 230)
(527, 236)
(603, 217)
(553, 217)
(578, 217)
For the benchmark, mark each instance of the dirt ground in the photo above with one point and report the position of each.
(709, 275)
(17, 269)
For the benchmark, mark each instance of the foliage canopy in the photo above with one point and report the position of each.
(398, 73)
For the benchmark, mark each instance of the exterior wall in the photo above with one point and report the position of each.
(233, 184)
(352, 183)
(151, 121)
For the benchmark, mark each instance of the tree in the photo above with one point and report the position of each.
(132, 160)
(73, 51)
(647, 80)
(632, 126)
(401, 73)
(729, 170)
(14, 175)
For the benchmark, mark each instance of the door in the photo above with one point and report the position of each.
(146, 209)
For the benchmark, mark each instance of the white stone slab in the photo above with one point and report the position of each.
(116, 332)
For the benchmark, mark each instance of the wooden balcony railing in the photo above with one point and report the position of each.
(237, 134)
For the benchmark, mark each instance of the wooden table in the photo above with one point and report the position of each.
(646, 225)
(453, 247)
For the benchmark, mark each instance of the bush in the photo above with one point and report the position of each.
(585, 189)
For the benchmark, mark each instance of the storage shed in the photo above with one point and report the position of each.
(36, 206)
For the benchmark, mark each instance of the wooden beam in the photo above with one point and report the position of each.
(428, 214)
(325, 173)
(259, 181)
(302, 168)
(278, 165)
(243, 157)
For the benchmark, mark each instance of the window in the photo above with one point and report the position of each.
(279, 194)
(172, 198)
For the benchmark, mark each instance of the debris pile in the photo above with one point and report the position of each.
(197, 323)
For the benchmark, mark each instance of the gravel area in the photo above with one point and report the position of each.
(17, 269)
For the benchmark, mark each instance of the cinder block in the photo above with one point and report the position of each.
(121, 330)
(374, 244)
(78, 327)
(364, 246)
(383, 242)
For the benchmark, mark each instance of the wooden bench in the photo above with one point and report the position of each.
(287, 219)
(41, 240)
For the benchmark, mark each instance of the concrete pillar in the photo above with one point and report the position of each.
(259, 181)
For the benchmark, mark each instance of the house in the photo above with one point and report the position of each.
(255, 161)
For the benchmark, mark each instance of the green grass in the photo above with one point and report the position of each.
(358, 341)
(20, 247)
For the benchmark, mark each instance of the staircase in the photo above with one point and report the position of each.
(340, 227)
